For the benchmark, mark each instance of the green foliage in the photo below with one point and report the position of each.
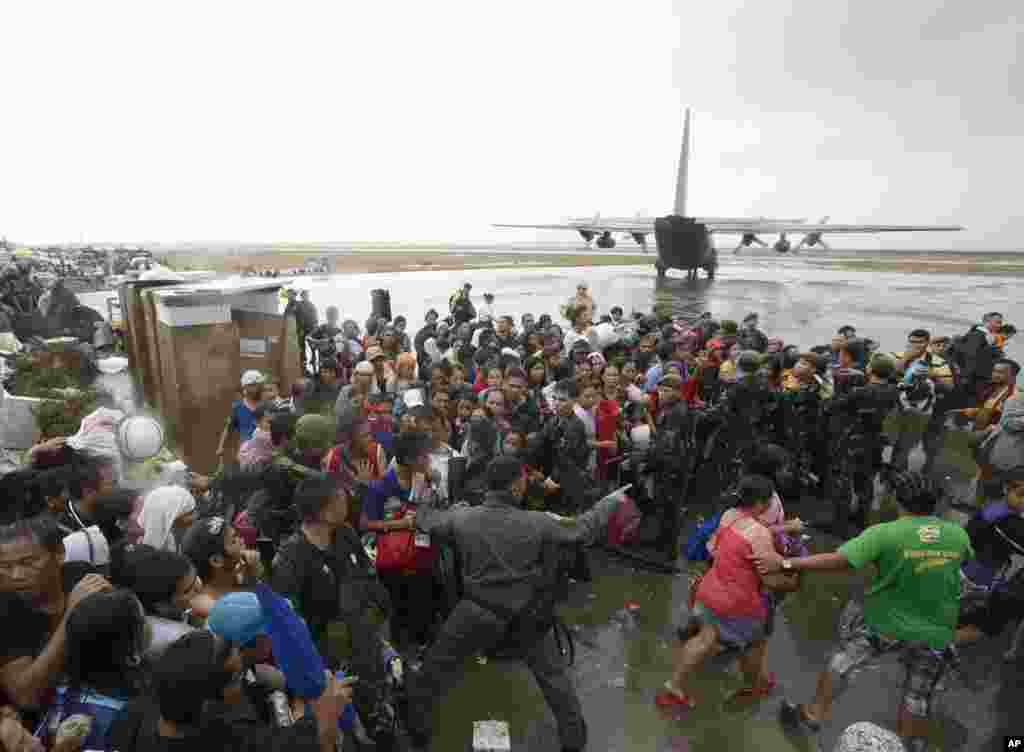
(66, 399)
(63, 416)
(32, 381)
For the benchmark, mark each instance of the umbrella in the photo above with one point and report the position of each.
(296, 655)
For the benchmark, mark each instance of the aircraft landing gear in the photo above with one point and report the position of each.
(661, 271)
(606, 241)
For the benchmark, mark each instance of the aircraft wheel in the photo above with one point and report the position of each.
(661, 271)
(710, 271)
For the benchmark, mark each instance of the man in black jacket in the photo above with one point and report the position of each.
(507, 556)
(325, 572)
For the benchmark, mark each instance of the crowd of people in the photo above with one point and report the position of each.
(423, 498)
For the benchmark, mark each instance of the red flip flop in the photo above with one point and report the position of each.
(670, 698)
(757, 691)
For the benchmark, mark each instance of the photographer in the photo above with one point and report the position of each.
(507, 556)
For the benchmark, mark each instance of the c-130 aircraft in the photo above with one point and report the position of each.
(685, 242)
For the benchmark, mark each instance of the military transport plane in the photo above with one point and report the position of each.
(685, 242)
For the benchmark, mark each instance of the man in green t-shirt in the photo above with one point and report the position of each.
(911, 606)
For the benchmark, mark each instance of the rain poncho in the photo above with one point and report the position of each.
(160, 509)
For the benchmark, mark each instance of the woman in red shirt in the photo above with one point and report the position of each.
(730, 608)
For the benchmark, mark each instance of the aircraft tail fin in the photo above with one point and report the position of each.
(684, 168)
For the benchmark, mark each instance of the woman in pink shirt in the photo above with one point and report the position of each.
(731, 608)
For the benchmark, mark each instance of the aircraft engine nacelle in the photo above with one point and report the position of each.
(587, 235)
(813, 239)
(749, 239)
(606, 241)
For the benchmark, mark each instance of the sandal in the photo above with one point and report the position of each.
(671, 697)
(762, 691)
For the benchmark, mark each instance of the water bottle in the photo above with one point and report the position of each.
(393, 666)
(280, 711)
(349, 714)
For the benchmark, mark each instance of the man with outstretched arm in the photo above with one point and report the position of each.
(910, 606)
(508, 556)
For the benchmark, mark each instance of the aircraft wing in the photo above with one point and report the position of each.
(742, 228)
(646, 224)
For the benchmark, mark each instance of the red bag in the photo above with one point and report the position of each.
(624, 524)
(405, 552)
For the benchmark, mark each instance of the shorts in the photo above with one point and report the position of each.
(737, 633)
(862, 647)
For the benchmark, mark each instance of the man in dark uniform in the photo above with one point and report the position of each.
(561, 448)
(860, 416)
(506, 554)
(670, 457)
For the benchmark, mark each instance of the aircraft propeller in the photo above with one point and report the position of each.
(812, 239)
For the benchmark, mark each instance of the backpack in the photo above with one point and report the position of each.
(697, 542)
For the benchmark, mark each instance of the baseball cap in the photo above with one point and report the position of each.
(364, 366)
(249, 378)
(237, 617)
(374, 352)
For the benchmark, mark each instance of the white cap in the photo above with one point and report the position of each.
(252, 377)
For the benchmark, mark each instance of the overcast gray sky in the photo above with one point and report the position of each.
(409, 120)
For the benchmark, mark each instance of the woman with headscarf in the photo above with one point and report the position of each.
(167, 512)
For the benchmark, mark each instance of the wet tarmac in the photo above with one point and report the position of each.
(622, 660)
(796, 300)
